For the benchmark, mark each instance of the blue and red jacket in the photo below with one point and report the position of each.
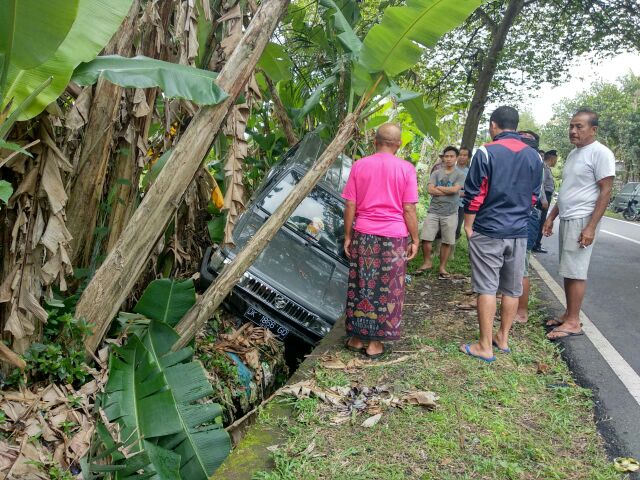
(502, 185)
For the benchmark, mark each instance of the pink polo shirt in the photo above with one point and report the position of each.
(379, 185)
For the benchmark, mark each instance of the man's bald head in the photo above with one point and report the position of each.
(388, 138)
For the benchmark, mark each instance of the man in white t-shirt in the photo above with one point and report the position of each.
(587, 180)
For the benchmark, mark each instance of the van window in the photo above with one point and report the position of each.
(319, 217)
(629, 187)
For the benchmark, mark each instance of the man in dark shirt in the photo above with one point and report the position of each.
(549, 185)
(502, 185)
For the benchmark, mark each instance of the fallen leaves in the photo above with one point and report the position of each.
(350, 401)
(334, 362)
(625, 465)
(42, 426)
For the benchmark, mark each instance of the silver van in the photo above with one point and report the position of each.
(297, 286)
(621, 200)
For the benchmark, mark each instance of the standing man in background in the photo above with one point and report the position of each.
(444, 187)
(587, 181)
(463, 165)
(549, 185)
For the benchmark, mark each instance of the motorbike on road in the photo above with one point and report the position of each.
(632, 212)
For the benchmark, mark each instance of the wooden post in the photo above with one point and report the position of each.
(118, 274)
(203, 310)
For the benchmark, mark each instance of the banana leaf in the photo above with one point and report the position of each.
(423, 116)
(396, 43)
(347, 36)
(19, 19)
(176, 81)
(148, 382)
(95, 24)
(166, 300)
(276, 63)
(6, 190)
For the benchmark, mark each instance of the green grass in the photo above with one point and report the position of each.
(611, 214)
(498, 421)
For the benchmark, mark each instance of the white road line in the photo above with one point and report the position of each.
(620, 236)
(626, 222)
(618, 364)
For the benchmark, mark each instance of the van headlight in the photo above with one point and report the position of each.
(217, 260)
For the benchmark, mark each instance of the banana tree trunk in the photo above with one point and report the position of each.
(203, 310)
(118, 274)
(86, 191)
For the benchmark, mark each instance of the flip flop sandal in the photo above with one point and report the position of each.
(503, 350)
(553, 322)
(444, 276)
(466, 307)
(353, 349)
(566, 334)
(467, 351)
(421, 271)
(376, 356)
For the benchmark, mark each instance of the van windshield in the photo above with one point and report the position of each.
(629, 187)
(318, 218)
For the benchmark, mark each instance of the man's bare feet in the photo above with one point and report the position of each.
(355, 343)
(475, 350)
(521, 317)
(567, 329)
(375, 347)
(424, 267)
(500, 342)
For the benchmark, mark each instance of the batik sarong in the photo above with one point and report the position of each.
(375, 291)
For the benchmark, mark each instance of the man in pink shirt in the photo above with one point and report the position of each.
(381, 195)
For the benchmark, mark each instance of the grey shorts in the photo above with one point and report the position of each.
(445, 224)
(497, 264)
(527, 263)
(574, 261)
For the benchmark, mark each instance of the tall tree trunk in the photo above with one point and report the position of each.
(483, 83)
(280, 112)
(203, 310)
(87, 188)
(117, 275)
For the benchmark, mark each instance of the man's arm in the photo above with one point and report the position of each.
(469, 218)
(589, 232)
(411, 219)
(349, 216)
(547, 228)
(450, 190)
(433, 190)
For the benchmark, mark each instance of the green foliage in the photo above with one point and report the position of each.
(95, 23)
(167, 300)
(6, 190)
(20, 18)
(61, 355)
(397, 43)
(275, 62)
(215, 227)
(147, 381)
(176, 81)
(619, 111)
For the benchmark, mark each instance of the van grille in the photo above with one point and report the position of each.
(282, 304)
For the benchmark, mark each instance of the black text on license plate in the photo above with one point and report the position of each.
(262, 320)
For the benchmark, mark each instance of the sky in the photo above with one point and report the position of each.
(582, 74)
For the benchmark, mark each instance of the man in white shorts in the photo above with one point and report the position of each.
(587, 181)
(444, 187)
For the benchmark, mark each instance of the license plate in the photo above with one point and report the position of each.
(262, 320)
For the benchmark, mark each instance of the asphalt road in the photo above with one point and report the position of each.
(612, 303)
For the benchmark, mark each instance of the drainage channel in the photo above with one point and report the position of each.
(250, 440)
